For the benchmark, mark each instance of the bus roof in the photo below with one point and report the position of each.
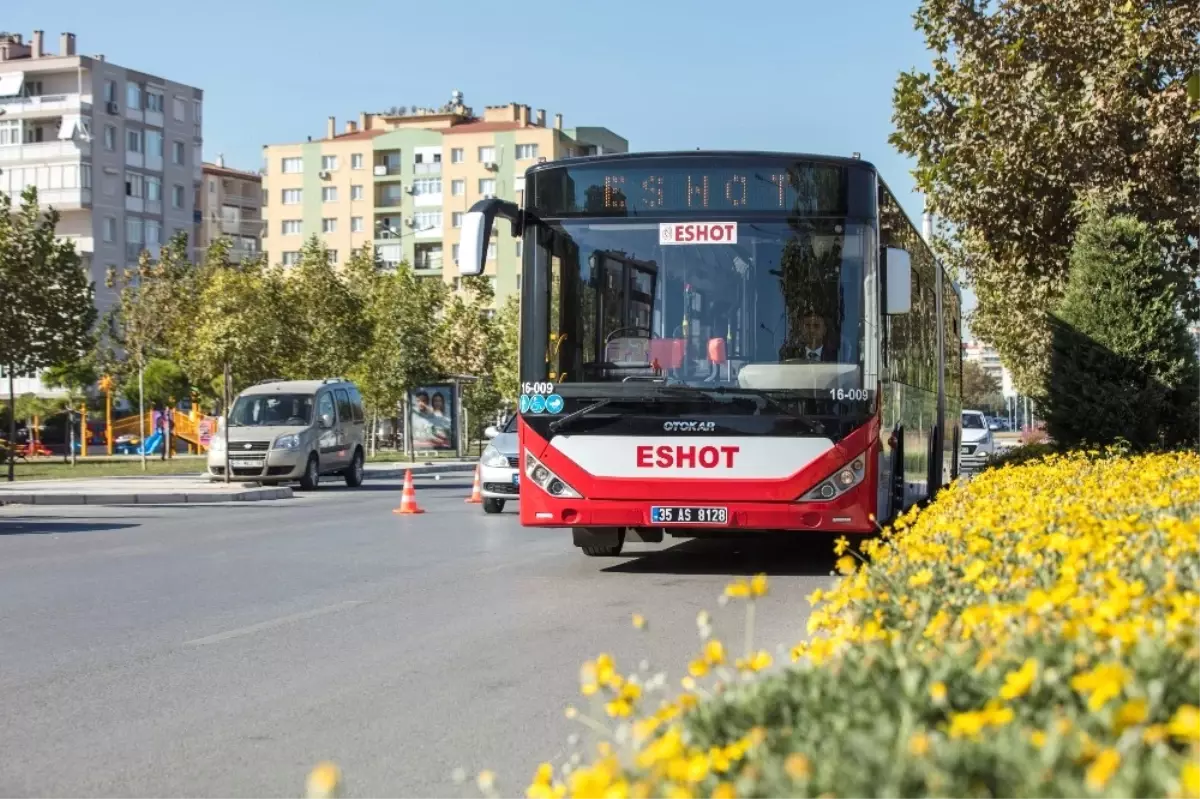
(746, 154)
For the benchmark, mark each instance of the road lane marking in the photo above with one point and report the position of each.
(279, 622)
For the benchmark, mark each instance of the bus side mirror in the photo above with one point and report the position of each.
(899, 281)
(477, 232)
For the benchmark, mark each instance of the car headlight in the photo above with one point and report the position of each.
(493, 458)
(289, 441)
(547, 480)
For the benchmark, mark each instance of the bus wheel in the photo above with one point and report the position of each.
(599, 542)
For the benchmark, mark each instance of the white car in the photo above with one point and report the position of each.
(977, 443)
(499, 475)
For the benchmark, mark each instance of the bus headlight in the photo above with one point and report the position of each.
(547, 480)
(839, 482)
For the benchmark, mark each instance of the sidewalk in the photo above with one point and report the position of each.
(173, 490)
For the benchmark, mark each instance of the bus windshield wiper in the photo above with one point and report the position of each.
(584, 411)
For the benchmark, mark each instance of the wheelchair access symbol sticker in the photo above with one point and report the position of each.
(537, 404)
(554, 404)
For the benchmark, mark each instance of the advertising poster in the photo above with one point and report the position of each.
(432, 418)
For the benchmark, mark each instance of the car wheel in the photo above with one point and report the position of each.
(312, 474)
(492, 505)
(354, 472)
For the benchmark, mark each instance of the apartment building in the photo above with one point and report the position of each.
(402, 179)
(229, 206)
(114, 150)
(987, 357)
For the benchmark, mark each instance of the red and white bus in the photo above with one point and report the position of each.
(723, 342)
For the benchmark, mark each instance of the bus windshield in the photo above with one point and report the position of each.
(768, 305)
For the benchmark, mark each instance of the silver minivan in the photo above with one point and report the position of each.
(285, 430)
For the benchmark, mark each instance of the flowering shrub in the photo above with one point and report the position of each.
(1031, 633)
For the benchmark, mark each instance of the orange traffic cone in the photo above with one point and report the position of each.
(476, 492)
(408, 499)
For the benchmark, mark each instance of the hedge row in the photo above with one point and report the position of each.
(1033, 632)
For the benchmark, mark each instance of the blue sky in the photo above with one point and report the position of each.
(800, 75)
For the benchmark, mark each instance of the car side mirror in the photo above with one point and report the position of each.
(899, 281)
(491, 431)
(326, 420)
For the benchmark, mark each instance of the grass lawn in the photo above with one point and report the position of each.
(49, 469)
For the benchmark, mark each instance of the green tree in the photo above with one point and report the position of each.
(504, 373)
(1030, 106)
(981, 391)
(1124, 365)
(400, 312)
(165, 381)
(467, 344)
(46, 298)
(327, 316)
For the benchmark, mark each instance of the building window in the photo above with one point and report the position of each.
(110, 136)
(491, 255)
(133, 96)
(110, 91)
(153, 189)
(212, 187)
(456, 155)
(425, 220)
(331, 257)
(487, 155)
(177, 196)
(329, 163)
(356, 161)
(329, 194)
(356, 192)
(526, 151)
(520, 250)
(110, 229)
(153, 232)
(454, 253)
(291, 196)
(197, 155)
(154, 143)
(196, 111)
(133, 185)
(180, 109)
(133, 229)
(329, 225)
(356, 224)
(456, 219)
(154, 102)
(427, 186)
(487, 187)
(178, 153)
(291, 258)
(458, 187)
(291, 227)
(133, 141)
(292, 165)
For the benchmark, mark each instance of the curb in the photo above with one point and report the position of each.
(165, 498)
(418, 470)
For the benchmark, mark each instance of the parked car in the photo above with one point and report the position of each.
(285, 430)
(499, 467)
(977, 442)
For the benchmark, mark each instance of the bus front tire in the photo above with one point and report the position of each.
(599, 542)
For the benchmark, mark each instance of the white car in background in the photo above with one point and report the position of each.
(499, 475)
(977, 444)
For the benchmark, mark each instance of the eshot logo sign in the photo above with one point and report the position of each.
(672, 233)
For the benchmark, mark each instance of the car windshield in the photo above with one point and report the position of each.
(971, 421)
(777, 305)
(272, 410)
(510, 426)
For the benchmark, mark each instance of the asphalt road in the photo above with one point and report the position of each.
(224, 650)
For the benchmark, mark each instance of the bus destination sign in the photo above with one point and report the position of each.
(617, 189)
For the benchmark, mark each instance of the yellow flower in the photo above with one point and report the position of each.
(1154, 734)
(714, 653)
(796, 766)
(757, 662)
(918, 744)
(485, 781)
(758, 585)
(697, 768)
(923, 577)
(1017, 683)
(1129, 715)
(972, 572)
(618, 708)
(846, 565)
(815, 596)
(1102, 768)
(1189, 779)
(724, 790)
(1185, 724)
(1037, 738)
(937, 692)
(639, 621)
(738, 589)
(841, 545)
(698, 668)
(1101, 684)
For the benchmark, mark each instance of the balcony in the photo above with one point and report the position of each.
(38, 152)
(243, 200)
(428, 169)
(44, 105)
(65, 199)
(389, 200)
(242, 227)
(388, 170)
